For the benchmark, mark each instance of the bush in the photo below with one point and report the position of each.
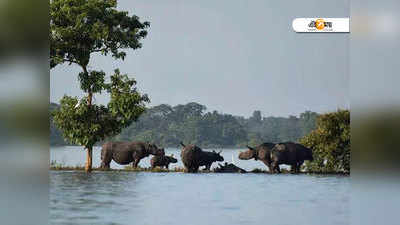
(330, 143)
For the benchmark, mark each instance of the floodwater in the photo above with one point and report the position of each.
(144, 198)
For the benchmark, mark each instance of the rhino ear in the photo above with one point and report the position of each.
(249, 147)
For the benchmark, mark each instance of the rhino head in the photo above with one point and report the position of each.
(218, 156)
(251, 153)
(154, 150)
(172, 159)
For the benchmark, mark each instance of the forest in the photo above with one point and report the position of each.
(167, 125)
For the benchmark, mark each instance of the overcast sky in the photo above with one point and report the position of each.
(232, 56)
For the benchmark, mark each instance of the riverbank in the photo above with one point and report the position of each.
(179, 170)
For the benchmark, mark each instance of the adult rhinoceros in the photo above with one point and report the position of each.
(261, 152)
(290, 153)
(126, 152)
(193, 157)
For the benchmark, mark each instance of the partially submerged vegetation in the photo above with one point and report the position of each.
(61, 167)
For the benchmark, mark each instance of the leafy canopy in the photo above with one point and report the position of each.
(81, 27)
(83, 125)
(77, 29)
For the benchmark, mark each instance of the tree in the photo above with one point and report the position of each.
(256, 116)
(79, 28)
(168, 125)
(307, 122)
(330, 142)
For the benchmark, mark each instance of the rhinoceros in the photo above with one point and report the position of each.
(126, 152)
(229, 168)
(193, 157)
(261, 152)
(290, 153)
(207, 159)
(162, 161)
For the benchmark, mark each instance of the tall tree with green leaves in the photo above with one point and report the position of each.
(79, 28)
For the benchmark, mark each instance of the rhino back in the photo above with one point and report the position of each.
(207, 158)
(293, 152)
(303, 152)
(285, 154)
(204, 158)
(190, 155)
(267, 145)
(158, 161)
(125, 152)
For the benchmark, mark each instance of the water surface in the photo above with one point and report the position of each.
(180, 198)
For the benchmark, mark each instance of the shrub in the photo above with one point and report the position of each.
(330, 143)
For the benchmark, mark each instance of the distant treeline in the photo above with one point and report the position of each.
(167, 125)
(56, 137)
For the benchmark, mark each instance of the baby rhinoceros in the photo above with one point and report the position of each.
(163, 160)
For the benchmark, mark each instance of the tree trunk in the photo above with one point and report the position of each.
(88, 166)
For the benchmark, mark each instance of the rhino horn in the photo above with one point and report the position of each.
(182, 144)
(249, 147)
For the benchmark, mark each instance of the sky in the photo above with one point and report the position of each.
(231, 56)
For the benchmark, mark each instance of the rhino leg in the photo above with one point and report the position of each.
(104, 165)
(293, 168)
(278, 169)
(269, 165)
(193, 169)
(299, 166)
(270, 168)
(106, 157)
(296, 168)
(275, 167)
(135, 163)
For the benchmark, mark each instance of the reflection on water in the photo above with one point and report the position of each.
(181, 198)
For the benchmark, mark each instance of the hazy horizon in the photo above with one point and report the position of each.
(232, 57)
